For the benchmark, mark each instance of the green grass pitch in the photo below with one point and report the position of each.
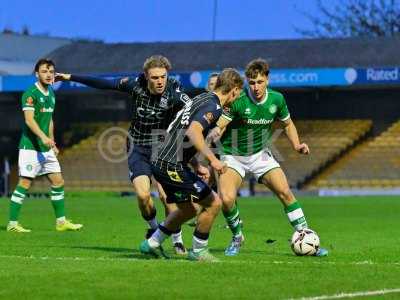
(103, 262)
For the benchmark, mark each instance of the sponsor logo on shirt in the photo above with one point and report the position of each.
(259, 122)
(41, 100)
(46, 110)
(149, 113)
(247, 111)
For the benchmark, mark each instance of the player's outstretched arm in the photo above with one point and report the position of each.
(195, 135)
(94, 82)
(293, 136)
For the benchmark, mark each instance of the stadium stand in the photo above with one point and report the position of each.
(327, 139)
(85, 167)
(374, 163)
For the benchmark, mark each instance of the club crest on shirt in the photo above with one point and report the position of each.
(163, 102)
(273, 109)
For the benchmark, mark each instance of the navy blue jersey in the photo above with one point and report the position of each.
(151, 113)
(177, 150)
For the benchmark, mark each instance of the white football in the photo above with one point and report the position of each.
(305, 242)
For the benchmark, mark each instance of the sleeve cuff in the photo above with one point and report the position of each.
(28, 108)
(227, 117)
(285, 118)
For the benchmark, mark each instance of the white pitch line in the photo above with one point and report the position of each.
(274, 262)
(351, 295)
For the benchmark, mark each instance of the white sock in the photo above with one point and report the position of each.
(177, 238)
(60, 220)
(157, 238)
(13, 223)
(199, 244)
(153, 223)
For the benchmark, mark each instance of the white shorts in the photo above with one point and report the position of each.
(32, 163)
(258, 164)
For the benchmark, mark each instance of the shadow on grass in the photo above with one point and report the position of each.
(124, 252)
(3, 228)
(105, 249)
(248, 251)
(137, 255)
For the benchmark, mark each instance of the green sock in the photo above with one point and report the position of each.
(57, 200)
(233, 220)
(16, 202)
(296, 216)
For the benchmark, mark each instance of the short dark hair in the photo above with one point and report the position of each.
(227, 80)
(257, 66)
(44, 61)
(156, 61)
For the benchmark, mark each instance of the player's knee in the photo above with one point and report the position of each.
(228, 196)
(58, 182)
(285, 194)
(143, 196)
(25, 183)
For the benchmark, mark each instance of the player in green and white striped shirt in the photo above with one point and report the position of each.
(247, 128)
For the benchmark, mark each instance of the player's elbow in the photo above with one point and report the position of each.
(29, 122)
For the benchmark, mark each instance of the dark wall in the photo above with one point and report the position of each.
(378, 105)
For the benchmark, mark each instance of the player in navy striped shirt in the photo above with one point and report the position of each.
(182, 186)
(156, 100)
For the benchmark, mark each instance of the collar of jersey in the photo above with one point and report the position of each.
(254, 100)
(40, 89)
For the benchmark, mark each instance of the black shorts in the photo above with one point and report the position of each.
(139, 161)
(181, 185)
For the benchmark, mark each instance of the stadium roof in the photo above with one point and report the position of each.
(189, 56)
(19, 52)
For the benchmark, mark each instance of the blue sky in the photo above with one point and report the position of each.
(158, 20)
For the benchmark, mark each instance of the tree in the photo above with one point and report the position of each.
(355, 18)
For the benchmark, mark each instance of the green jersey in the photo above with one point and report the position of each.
(43, 106)
(250, 128)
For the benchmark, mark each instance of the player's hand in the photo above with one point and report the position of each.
(303, 149)
(62, 77)
(55, 149)
(48, 142)
(214, 135)
(203, 172)
(219, 166)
